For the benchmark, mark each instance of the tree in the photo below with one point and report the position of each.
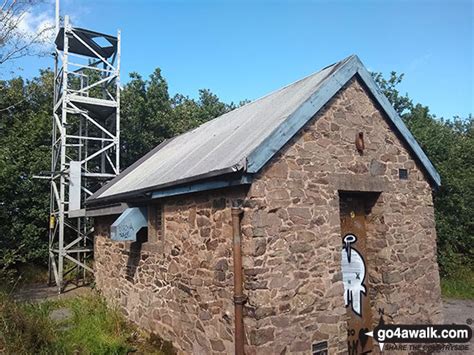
(401, 104)
(149, 115)
(449, 144)
(15, 40)
(24, 151)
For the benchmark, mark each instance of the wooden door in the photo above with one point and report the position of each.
(355, 274)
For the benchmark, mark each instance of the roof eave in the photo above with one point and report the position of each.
(335, 80)
(238, 169)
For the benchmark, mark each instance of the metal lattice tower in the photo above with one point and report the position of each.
(85, 141)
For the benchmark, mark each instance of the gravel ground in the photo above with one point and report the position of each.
(460, 312)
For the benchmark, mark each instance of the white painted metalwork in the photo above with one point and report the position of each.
(85, 141)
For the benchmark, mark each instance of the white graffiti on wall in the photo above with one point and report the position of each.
(353, 274)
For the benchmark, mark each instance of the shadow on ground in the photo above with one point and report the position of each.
(40, 292)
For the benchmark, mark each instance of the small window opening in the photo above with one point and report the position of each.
(403, 174)
(320, 348)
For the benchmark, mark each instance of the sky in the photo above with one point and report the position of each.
(246, 49)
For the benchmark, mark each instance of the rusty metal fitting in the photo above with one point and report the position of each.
(240, 299)
(236, 211)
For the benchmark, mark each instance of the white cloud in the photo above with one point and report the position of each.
(39, 23)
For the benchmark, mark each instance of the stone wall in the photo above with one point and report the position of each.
(293, 271)
(181, 285)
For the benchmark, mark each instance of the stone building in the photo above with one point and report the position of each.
(322, 189)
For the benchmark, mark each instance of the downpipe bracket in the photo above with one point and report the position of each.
(240, 300)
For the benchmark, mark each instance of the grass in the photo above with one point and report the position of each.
(460, 285)
(91, 328)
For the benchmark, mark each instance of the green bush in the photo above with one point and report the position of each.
(449, 144)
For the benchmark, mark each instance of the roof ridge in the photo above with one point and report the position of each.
(267, 95)
(249, 136)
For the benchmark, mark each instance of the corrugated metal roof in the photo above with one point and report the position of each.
(224, 144)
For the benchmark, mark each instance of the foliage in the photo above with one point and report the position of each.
(92, 328)
(149, 115)
(450, 146)
(10, 258)
(24, 151)
(401, 104)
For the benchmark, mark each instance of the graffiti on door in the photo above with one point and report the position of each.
(353, 274)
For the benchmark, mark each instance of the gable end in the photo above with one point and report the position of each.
(334, 82)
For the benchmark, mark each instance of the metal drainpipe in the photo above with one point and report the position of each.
(239, 297)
